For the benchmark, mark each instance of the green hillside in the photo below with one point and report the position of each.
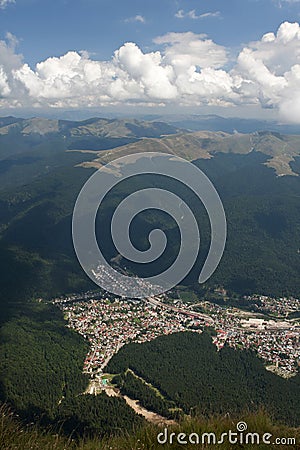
(187, 370)
(262, 212)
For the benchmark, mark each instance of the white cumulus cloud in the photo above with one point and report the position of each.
(185, 69)
(271, 67)
(184, 50)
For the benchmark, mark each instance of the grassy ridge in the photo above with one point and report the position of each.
(14, 435)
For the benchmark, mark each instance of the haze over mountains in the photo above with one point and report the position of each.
(100, 127)
(213, 122)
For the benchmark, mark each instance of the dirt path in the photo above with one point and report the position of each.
(149, 415)
(111, 392)
(94, 388)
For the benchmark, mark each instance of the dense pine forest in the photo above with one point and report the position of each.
(41, 360)
(41, 377)
(187, 370)
(263, 216)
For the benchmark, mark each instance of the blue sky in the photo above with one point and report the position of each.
(51, 28)
(46, 29)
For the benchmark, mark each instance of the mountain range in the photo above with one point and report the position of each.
(30, 148)
(280, 150)
(44, 164)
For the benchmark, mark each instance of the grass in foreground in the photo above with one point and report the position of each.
(14, 435)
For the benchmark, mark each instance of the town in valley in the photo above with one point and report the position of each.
(107, 322)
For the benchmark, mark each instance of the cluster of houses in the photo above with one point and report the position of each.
(109, 322)
(110, 325)
(126, 286)
(277, 342)
(280, 307)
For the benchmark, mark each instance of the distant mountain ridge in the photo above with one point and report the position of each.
(100, 127)
(281, 150)
(214, 122)
(119, 137)
(30, 148)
